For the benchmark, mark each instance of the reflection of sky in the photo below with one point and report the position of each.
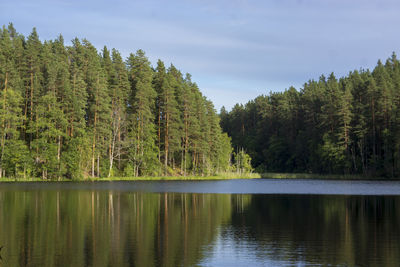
(235, 49)
(322, 186)
(231, 250)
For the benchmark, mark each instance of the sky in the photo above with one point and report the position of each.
(234, 49)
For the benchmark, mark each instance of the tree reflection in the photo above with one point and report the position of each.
(347, 230)
(80, 228)
(111, 228)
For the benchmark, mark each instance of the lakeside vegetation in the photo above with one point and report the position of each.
(223, 176)
(220, 176)
(277, 175)
(72, 112)
(347, 126)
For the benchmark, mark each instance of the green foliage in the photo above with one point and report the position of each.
(141, 130)
(71, 112)
(242, 162)
(76, 156)
(128, 171)
(17, 159)
(341, 126)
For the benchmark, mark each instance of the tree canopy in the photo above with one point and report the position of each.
(75, 112)
(349, 125)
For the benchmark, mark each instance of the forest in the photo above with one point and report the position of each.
(74, 112)
(348, 125)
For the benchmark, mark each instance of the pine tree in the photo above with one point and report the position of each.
(385, 103)
(159, 84)
(62, 87)
(77, 146)
(201, 146)
(213, 138)
(168, 119)
(72, 112)
(33, 79)
(98, 112)
(119, 89)
(394, 72)
(358, 125)
(11, 159)
(141, 129)
(172, 119)
(344, 127)
(50, 123)
(190, 121)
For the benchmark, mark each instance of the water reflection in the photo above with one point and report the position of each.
(100, 228)
(327, 230)
(77, 228)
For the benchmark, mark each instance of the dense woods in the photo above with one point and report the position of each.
(349, 125)
(70, 111)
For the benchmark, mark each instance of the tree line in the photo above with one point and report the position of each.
(349, 125)
(70, 111)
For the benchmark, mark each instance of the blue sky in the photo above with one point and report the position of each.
(234, 49)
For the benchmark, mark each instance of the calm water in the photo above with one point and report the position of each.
(208, 223)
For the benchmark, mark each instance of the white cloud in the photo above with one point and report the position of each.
(230, 45)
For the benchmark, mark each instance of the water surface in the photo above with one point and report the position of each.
(238, 186)
(213, 223)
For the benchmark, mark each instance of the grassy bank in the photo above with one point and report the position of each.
(220, 176)
(272, 175)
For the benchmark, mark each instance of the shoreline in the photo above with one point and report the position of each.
(228, 176)
(315, 176)
(223, 176)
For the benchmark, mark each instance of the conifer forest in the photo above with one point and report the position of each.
(74, 112)
(348, 125)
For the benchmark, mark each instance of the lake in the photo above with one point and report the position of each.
(262, 222)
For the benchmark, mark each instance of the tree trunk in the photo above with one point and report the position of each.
(112, 148)
(59, 155)
(94, 140)
(166, 144)
(119, 141)
(32, 88)
(111, 160)
(373, 133)
(186, 140)
(3, 137)
(159, 135)
(93, 149)
(59, 148)
(98, 165)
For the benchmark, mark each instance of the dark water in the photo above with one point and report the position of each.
(299, 223)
